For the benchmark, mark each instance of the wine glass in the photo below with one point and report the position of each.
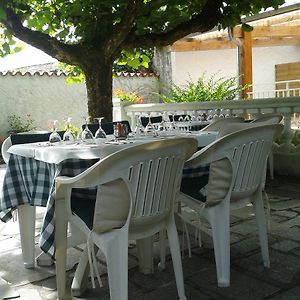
(86, 134)
(100, 133)
(139, 128)
(149, 127)
(54, 136)
(68, 135)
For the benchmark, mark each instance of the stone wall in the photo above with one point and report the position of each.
(46, 96)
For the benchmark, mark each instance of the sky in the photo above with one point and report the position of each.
(32, 56)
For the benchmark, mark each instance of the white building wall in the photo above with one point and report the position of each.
(264, 60)
(193, 64)
(224, 63)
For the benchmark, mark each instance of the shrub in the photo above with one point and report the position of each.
(128, 96)
(20, 124)
(213, 89)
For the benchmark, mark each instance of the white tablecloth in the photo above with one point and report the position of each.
(58, 152)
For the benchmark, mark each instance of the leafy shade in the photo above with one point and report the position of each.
(213, 89)
(91, 34)
(137, 59)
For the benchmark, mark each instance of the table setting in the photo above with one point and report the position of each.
(33, 167)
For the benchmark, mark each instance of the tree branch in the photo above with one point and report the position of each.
(206, 20)
(123, 29)
(63, 52)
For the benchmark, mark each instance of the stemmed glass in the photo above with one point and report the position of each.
(54, 136)
(100, 133)
(86, 134)
(139, 128)
(149, 127)
(68, 135)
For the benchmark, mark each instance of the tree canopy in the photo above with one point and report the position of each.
(91, 34)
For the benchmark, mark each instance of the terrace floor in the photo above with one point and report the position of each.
(249, 279)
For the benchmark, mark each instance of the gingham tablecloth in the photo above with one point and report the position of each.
(32, 181)
(29, 180)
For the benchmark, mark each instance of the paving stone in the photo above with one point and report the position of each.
(291, 294)
(6, 291)
(244, 247)
(285, 268)
(275, 198)
(292, 222)
(241, 286)
(250, 227)
(285, 245)
(285, 213)
(249, 279)
(286, 204)
(290, 233)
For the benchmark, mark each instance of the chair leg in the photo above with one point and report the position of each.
(262, 229)
(26, 216)
(176, 257)
(219, 220)
(162, 248)
(79, 283)
(271, 164)
(145, 255)
(61, 247)
(116, 252)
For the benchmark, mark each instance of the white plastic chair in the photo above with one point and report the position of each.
(236, 178)
(137, 188)
(5, 146)
(26, 218)
(216, 125)
(272, 118)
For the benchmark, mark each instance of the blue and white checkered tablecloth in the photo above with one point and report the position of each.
(28, 180)
(32, 181)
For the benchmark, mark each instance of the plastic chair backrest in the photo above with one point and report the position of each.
(29, 137)
(23, 138)
(152, 173)
(269, 119)
(5, 146)
(219, 123)
(238, 162)
(108, 127)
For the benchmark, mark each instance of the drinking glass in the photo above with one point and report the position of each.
(139, 128)
(86, 134)
(54, 136)
(149, 129)
(68, 135)
(100, 133)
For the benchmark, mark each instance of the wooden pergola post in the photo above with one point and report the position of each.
(246, 62)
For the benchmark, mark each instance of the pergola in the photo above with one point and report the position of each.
(272, 28)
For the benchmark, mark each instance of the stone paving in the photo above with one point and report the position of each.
(249, 279)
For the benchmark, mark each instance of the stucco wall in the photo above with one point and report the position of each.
(48, 98)
(192, 64)
(224, 63)
(45, 98)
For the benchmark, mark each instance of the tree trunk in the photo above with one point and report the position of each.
(99, 90)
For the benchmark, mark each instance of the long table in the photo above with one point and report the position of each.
(30, 177)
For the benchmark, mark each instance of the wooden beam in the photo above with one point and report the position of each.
(269, 31)
(276, 41)
(215, 44)
(246, 62)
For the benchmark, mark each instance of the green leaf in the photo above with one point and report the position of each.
(247, 27)
(2, 14)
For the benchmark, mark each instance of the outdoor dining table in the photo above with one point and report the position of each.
(32, 169)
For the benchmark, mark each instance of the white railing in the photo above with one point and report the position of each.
(288, 88)
(286, 154)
